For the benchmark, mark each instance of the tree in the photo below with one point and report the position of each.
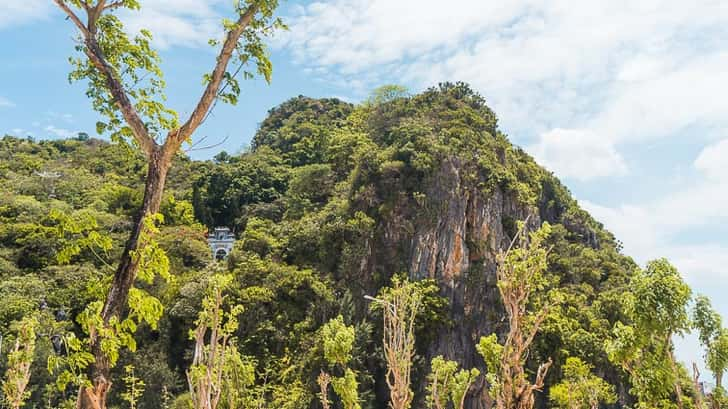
(338, 342)
(698, 390)
(387, 93)
(660, 305)
(717, 362)
(20, 357)
(520, 275)
(657, 308)
(126, 87)
(714, 338)
(134, 387)
(580, 389)
(346, 387)
(77, 233)
(400, 305)
(323, 381)
(215, 353)
(447, 384)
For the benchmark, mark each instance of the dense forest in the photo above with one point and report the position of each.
(396, 253)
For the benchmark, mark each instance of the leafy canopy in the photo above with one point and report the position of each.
(135, 65)
(338, 340)
(580, 388)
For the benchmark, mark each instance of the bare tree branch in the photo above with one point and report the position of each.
(114, 5)
(541, 375)
(323, 380)
(202, 148)
(696, 384)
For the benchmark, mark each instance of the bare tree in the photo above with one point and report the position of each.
(323, 380)
(400, 305)
(214, 353)
(520, 275)
(698, 397)
(115, 66)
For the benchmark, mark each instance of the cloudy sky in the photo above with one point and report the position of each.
(624, 100)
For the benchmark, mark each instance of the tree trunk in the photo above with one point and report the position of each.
(698, 389)
(94, 397)
(678, 388)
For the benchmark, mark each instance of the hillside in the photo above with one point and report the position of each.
(331, 201)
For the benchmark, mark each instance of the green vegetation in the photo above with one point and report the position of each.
(714, 338)
(520, 275)
(216, 360)
(125, 86)
(657, 307)
(338, 342)
(20, 358)
(447, 384)
(134, 387)
(580, 389)
(329, 203)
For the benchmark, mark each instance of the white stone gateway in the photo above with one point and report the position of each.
(221, 242)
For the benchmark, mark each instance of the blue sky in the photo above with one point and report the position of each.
(624, 100)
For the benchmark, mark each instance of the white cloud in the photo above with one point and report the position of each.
(631, 223)
(623, 69)
(189, 23)
(648, 226)
(56, 116)
(357, 34)
(701, 262)
(6, 103)
(713, 160)
(15, 12)
(666, 99)
(578, 153)
(646, 237)
(60, 132)
(686, 225)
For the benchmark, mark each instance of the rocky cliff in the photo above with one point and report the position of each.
(428, 185)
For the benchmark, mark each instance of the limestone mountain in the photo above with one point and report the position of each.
(429, 185)
(330, 202)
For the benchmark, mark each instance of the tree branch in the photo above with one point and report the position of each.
(219, 92)
(139, 130)
(176, 137)
(536, 326)
(194, 147)
(72, 16)
(541, 375)
(114, 5)
(96, 56)
(93, 16)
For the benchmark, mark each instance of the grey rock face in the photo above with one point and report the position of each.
(454, 238)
